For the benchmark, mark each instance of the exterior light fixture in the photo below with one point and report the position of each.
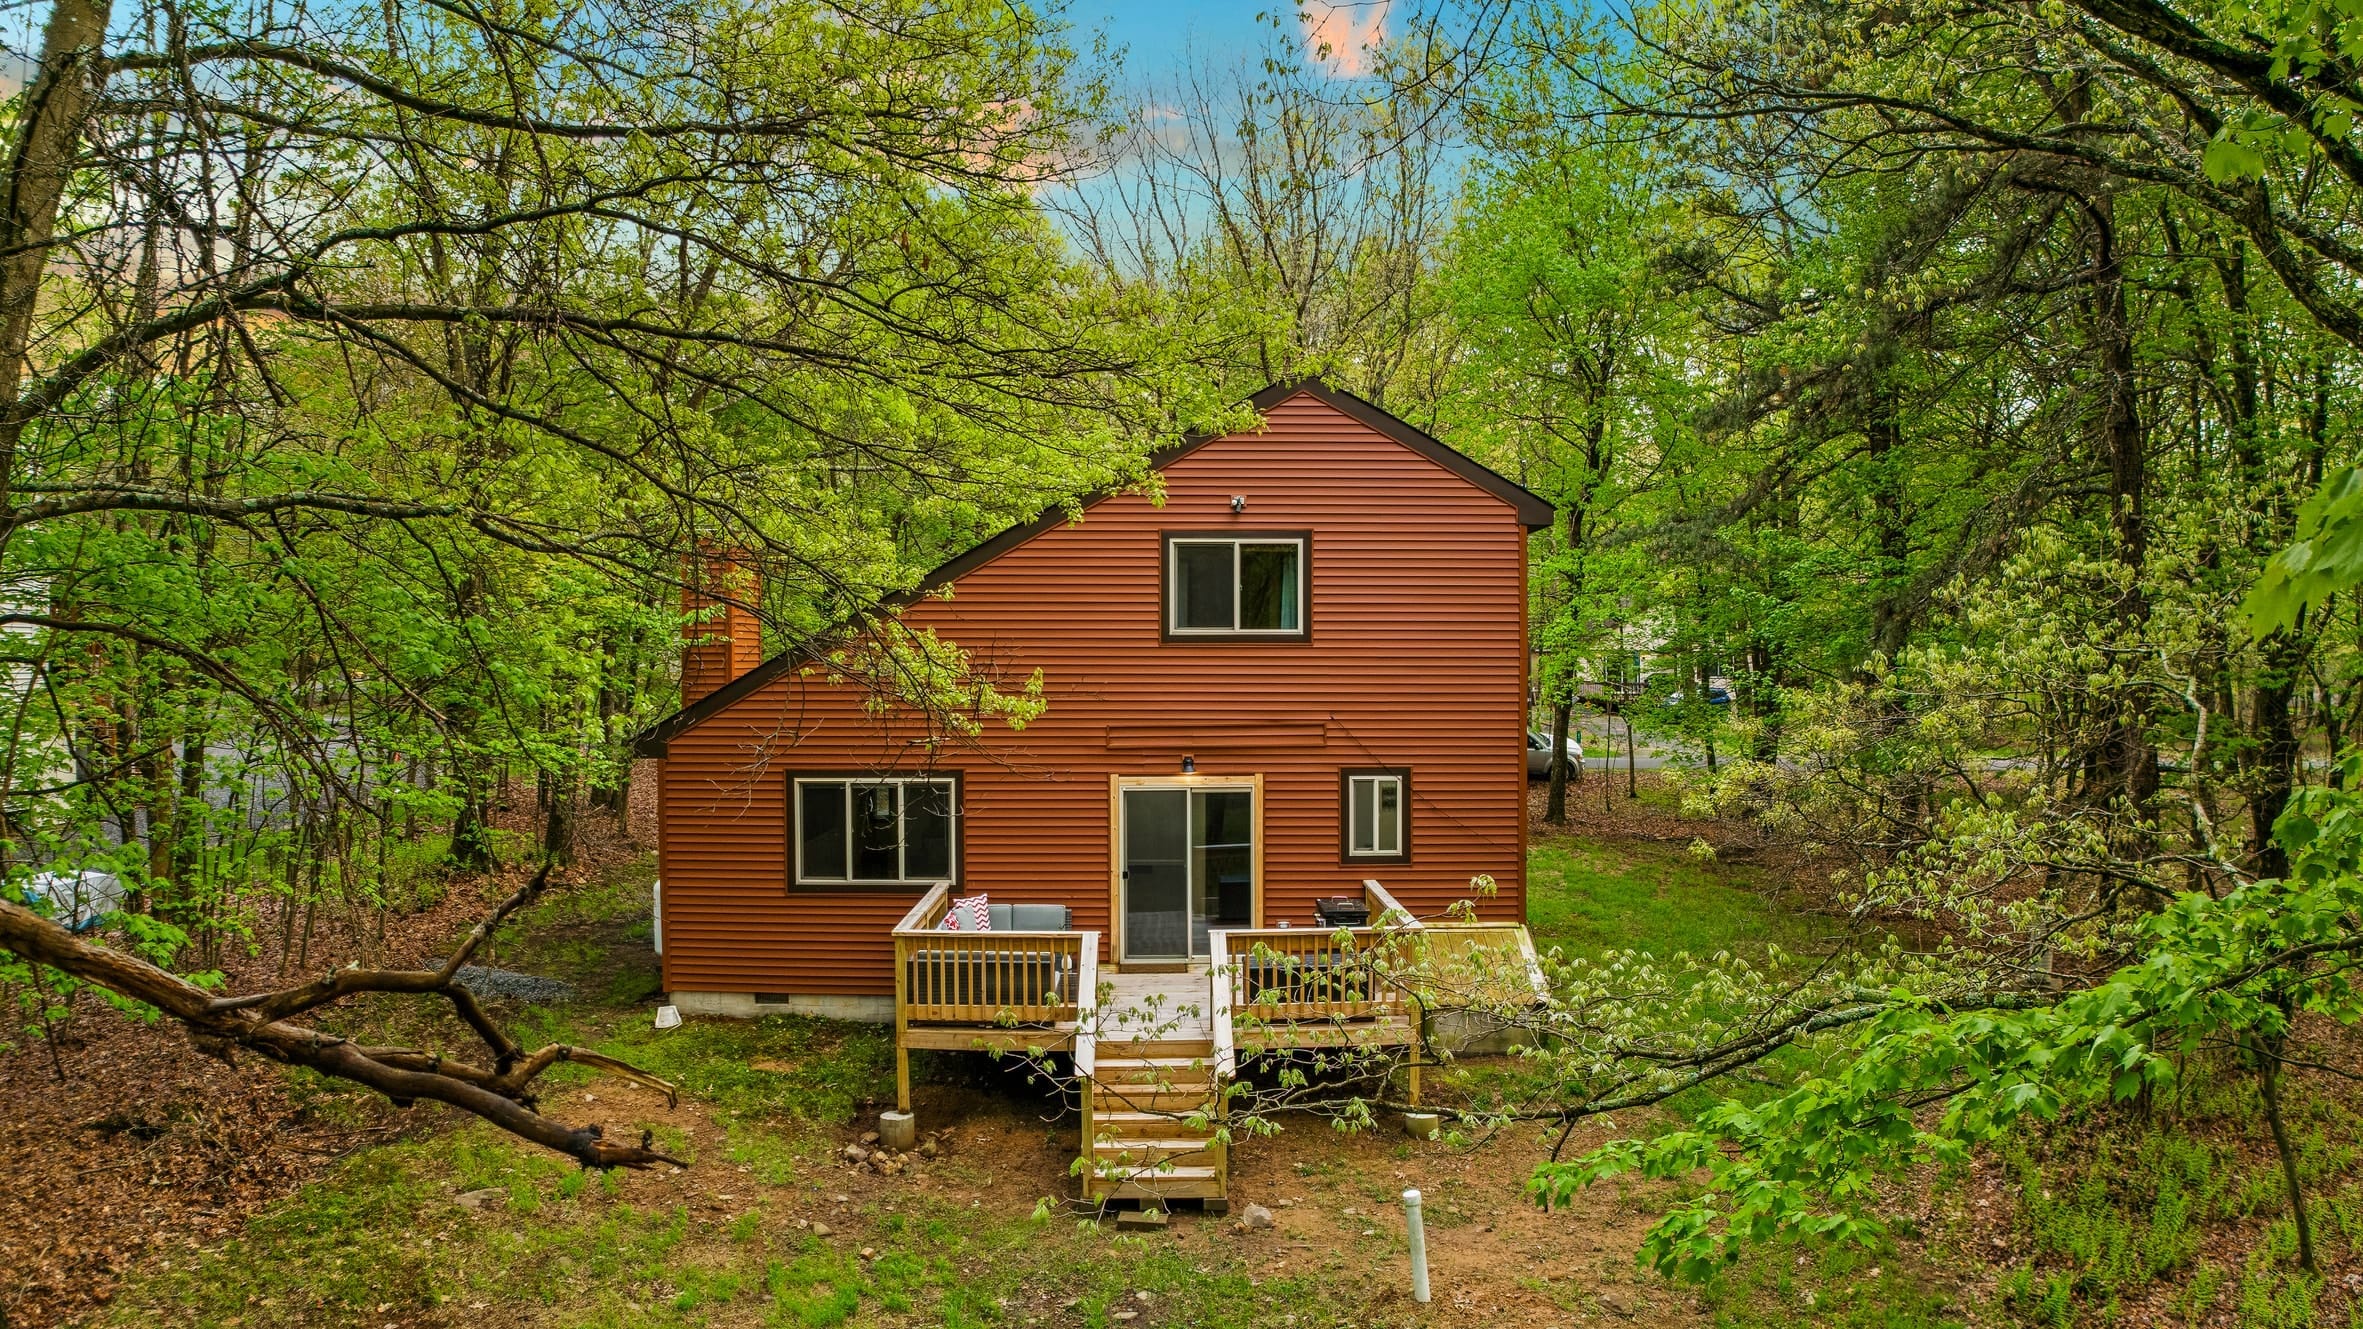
(1238, 502)
(1189, 765)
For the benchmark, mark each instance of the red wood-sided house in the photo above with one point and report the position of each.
(1300, 677)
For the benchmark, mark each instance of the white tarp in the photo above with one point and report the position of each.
(80, 900)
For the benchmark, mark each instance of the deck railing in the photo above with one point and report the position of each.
(1278, 975)
(1087, 1008)
(1218, 1006)
(1483, 963)
(1086, 1037)
(989, 978)
(1385, 909)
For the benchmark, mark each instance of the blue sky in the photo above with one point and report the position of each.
(1157, 33)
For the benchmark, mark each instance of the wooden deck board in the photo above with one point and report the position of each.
(1169, 1006)
(985, 1038)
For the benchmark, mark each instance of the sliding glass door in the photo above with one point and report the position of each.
(1188, 861)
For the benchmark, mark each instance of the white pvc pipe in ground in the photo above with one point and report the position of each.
(1419, 1244)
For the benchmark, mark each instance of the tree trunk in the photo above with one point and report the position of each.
(181, 839)
(2128, 759)
(2276, 746)
(1763, 694)
(1555, 808)
(2273, 754)
(558, 827)
(41, 157)
(471, 833)
(1891, 612)
(2268, 1069)
(1632, 788)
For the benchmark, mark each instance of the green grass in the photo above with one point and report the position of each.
(594, 934)
(1589, 897)
(784, 1066)
(1586, 898)
(383, 1237)
(1835, 1287)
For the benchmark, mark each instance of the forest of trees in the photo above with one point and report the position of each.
(1962, 388)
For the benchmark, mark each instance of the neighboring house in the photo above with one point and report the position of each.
(1326, 620)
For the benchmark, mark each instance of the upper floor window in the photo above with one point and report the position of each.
(869, 832)
(1376, 815)
(1235, 586)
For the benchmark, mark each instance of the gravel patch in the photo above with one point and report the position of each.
(511, 985)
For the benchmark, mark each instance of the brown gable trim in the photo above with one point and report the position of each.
(1533, 512)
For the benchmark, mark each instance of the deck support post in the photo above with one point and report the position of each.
(921, 916)
(902, 1029)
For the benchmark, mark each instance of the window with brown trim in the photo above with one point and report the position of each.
(856, 831)
(1237, 587)
(1374, 815)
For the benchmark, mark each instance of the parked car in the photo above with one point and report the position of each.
(1538, 753)
(1718, 693)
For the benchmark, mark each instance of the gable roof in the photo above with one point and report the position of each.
(1534, 513)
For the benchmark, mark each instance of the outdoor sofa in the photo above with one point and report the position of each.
(1020, 971)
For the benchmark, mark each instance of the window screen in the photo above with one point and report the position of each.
(1203, 587)
(927, 831)
(820, 818)
(874, 831)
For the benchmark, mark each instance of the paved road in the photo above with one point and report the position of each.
(1648, 754)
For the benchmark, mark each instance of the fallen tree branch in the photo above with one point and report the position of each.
(259, 1023)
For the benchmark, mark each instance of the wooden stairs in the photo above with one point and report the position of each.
(1153, 1124)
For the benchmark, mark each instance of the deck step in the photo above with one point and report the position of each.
(1176, 1070)
(1181, 1183)
(1182, 1081)
(1118, 1047)
(1153, 1074)
(1137, 1123)
(1140, 1144)
(1179, 1063)
(1165, 1104)
(1197, 1077)
(1153, 1153)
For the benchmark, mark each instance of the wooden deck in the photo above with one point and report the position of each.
(1155, 1050)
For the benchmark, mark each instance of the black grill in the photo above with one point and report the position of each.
(1342, 911)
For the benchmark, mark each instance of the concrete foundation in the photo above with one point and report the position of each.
(1467, 1034)
(824, 1005)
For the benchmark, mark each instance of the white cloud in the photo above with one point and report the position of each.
(1339, 34)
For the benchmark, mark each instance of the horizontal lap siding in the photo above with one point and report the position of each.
(1416, 660)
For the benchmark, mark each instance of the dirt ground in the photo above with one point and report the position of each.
(122, 1141)
(127, 1140)
(1495, 1259)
